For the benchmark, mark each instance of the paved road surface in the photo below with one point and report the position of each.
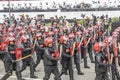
(89, 73)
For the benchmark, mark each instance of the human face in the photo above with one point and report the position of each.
(50, 45)
(39, 38)
(11, 42)
(65, 42)
(25, 41)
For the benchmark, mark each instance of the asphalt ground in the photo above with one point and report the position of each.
(89, 74)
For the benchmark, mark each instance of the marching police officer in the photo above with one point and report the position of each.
(10, 63)
(66, 58)
(101, 61)
(39, 48)
(50, 59)
(26, 51)
(77, 53)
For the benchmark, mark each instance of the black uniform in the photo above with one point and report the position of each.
(115, 73)
(3, 56)
(27, 50)
(77, 57)
(39, 48)
(66, 61)
(10, 65)
(84, 52)
(90, 50)
(77, 61)
(50, 64)
(101, 65)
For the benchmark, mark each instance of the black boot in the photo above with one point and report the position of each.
(66, 73)
(32, 75)
(19, 76)
(78, 69)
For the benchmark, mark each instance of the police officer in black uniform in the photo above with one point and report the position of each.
(39, 48)
(50, 60)
(101, 62)
(90, 45)
(66, 58)
(84, 48)
(27, 50)
(77, 53)
(10, 63)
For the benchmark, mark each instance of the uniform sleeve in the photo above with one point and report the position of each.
(64, 53)
(25, 50)
(38, 48)
(99, 61)
(42, 49)
(49, 56)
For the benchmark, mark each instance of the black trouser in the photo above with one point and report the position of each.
(10, 67)
(90, 47)
(84, 55)
(4, 57)
(115, 74)
(101, 72)
(77, 61)
(39, 58)
(51, 69)
(67, 65)
(29, 62)
(101, 76)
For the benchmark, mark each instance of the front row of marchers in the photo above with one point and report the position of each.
(21, 47)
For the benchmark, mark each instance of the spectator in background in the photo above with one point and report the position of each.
(87, 20)
(75, 24)
(28, 20)
(52, 20)
(43, 21)
(94, 19)
(56, 19)
(13, 16)
(61, 20)
(18, 21)
(32, 21)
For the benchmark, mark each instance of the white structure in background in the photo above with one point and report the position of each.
(105, 3)
(44, 4)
